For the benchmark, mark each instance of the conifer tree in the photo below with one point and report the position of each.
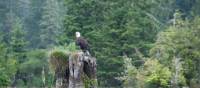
(17, 44)
(7, 64)
(17, 41)
(51, 23)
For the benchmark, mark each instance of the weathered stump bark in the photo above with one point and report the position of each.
(80, 66)
(76, 71)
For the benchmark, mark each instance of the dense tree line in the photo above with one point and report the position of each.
(139, 43)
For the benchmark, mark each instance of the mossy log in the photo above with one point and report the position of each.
(74, 70)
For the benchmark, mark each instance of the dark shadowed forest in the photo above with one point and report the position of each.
(137, 43)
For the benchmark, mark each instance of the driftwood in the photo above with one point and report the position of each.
(79, 71)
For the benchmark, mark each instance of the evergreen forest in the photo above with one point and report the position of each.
(137, 43)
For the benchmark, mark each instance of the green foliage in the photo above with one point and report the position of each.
(72, 47)
(7, 70)
(4, 80)
(12, 52)
(195, 8)
(151, 75)
(129, 75)
(157, 74)
(177, 44)
(7, 67)
(17, 40)
(88, 82)
(51, 23)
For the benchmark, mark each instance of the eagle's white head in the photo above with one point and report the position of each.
(78, 34)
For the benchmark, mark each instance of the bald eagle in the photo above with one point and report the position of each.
(82, 43)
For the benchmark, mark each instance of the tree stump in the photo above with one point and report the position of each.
(80, 67)
(75, 70)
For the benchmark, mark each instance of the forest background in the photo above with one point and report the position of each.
(137, 43)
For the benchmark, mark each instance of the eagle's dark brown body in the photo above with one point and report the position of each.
(82, 43)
